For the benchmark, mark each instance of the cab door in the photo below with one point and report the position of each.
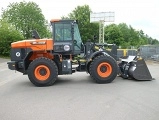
(77, 40)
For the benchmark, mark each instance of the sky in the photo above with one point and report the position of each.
(140, 14)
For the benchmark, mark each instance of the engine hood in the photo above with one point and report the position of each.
(35, 44)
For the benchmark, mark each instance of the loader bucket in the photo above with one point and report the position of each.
(141, 72)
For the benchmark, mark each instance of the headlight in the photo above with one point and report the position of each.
(66, 47)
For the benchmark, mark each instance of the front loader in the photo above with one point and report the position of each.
(134, 67)
(44, 59)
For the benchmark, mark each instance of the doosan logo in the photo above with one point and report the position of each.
(17, 54)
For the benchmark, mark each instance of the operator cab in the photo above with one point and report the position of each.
(66, 36)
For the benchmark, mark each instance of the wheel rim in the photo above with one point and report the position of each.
(42, 72)
(104, 69)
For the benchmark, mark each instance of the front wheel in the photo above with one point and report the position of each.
(103, 69)
(42, 72)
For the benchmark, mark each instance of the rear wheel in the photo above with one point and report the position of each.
(103, 69)
(42, 72)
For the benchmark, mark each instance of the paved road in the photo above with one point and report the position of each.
(76, 97)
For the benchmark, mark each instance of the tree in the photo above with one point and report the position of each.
(134, 38)
(155, 42)
(8, 34)
(125, 33)
(87, 29)
(113, 35)
(143, 39)
(131, 36)
(26, 16)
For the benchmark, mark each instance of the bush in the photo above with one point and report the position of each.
(8, 34)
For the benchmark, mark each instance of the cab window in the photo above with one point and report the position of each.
(77, 38)
(63, 32)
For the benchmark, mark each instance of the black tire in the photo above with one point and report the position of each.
(42, 72)
(103, 69)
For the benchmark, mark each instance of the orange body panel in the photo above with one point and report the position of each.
(40, 47)
(37, 54)
(35, 45)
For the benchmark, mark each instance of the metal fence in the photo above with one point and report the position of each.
(149, 52)
(126, 52)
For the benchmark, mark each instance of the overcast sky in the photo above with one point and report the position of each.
(140, 14)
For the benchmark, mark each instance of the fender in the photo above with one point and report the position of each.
(93, 55)
(32, 55)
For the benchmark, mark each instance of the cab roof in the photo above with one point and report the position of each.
(61, 20)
